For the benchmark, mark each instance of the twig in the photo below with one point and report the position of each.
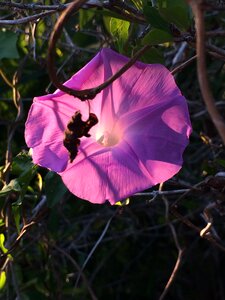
(201, 68)
(216, 6)
(4, 77)
(179, 54)
(126, 11)
(75, 264)
(207, 216)
(22, 233)
(14, 281)
(123, 5)
(39, 206)
(87, 93)
(173, 274)
(204, 111)
(91, 93)
(177, 244)
(27, 19)
(33, 6)
(215, 49)
(191, 40)
(183, 65)
(94, 248)
(187, 222)
(217, 32)
(159, 193)
(217, 56)
(56, 7)
(13, 126)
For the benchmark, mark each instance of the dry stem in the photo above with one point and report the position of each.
(87, 93)
(202, 71)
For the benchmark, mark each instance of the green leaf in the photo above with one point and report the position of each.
(8, 47)
(85, 15)
(153, 56)
(221, 162)
(176, 12)
(108, 14)
(25, 170)
(22, 163)
(2, 279)
(16, 210)
(154, 18)
(137, 3)
(13, 186)
(2, 240)
(55, 188)
(156, 37)
(119, 29)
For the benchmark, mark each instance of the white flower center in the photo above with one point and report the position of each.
(108, 139)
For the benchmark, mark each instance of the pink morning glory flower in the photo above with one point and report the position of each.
(142, 130)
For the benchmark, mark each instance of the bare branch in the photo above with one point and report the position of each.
(49, 9)
(201, 69)
(27, 19)
(57, 7)
(173, 274)
(177, 244)
(87, 93)
(217, 32)
(75, 264)
(94, 248)
(215, 49)
(183, 65)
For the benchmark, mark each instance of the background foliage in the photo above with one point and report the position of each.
(56, 246)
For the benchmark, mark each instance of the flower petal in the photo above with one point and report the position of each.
(158, 136)
(143, 110)
(45, 127)
(50, 114)
(111, 175)
(168, 121)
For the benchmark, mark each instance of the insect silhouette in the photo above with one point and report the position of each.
(76, 129)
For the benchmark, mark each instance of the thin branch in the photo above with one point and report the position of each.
(216, 6)
(13, 126)
(33, 6)
(27, 19)
(179, 54)
(204, 111)
(183, 65)
(177, 244)
(87, 93)
(4, 77)
(75, 264)
(94, 248)
(187, 222)
(125, 6)
(217, 56)
(202, 71)
(128, 12)
(215, 49)
(15, 282)
(160, 193)
(173, 274)
(191, 40)
(217, 32)
(91, 93)
(23, 231)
